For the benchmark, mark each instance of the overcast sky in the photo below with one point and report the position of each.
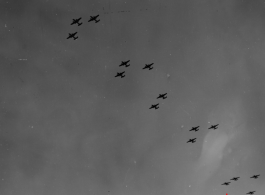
(68, 126)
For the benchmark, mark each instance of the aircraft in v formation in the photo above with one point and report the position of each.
(226, 183)
(255, 176)
(125, 63)
(192, 140)
(148, 66)
(213, 126)
(162, 96)
(235, 178)
(76, 21)
(72, 35)
(120, 74)
(251, 192)
(195, 128)
(94, 18)
(155, 106)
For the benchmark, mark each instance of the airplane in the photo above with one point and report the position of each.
(125, 63)
(192, 140)
(162, 96)
(214, 126)
(72, 35)
(155, 106)
(255, 176)
(226, 183)
(235, 178)
(195, 128)
(251, 192)
(94, 18)
(120, 74)
(76, 21)
(148, 66)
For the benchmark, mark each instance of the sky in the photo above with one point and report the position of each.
(69, 126)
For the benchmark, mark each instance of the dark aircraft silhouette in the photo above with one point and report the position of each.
(76, 21)
(148, 66)
(125, 63)
(255, 176)
(235, 178)
(195, 128)
(226, 183)
(72, 35)
(155, 106)
(162, 96)
(213, 127)
(251, 192)
(192, 140)
(94, 18)
(120, 74)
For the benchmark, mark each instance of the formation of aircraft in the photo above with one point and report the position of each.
(76, 21)
(235, 178)
(255, 176)
(72, 35)
(120, 74)
(251, 192)
(94, 18)
(192, 140)
(195, 128)
(148, 66)
(162, 96)
(155, 106)
(214, 127)
(125, 63)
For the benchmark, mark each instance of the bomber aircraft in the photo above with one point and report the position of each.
(155, 106)
(214, 127)
(255, 176)
(94, 18)
(76, 21)
(125, 63)
(120, 74)
(72, 35)
(195, 128)
(192, 140)
(162, 96)
(148, 66)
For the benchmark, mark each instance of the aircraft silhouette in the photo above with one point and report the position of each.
(94, 18)
(76, 21)
(195, 128)
(251, 192)
(235, 178)
(120, 74)
(192, 140)
(125, 63)
(155, 106)
(72, 35)
(162, 96)
(226, 183)
(255, 176)
(148, 66)
(213, 127)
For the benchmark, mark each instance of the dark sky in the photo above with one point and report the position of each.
(68, 126)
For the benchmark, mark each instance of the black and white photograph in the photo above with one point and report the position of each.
(132, 97)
